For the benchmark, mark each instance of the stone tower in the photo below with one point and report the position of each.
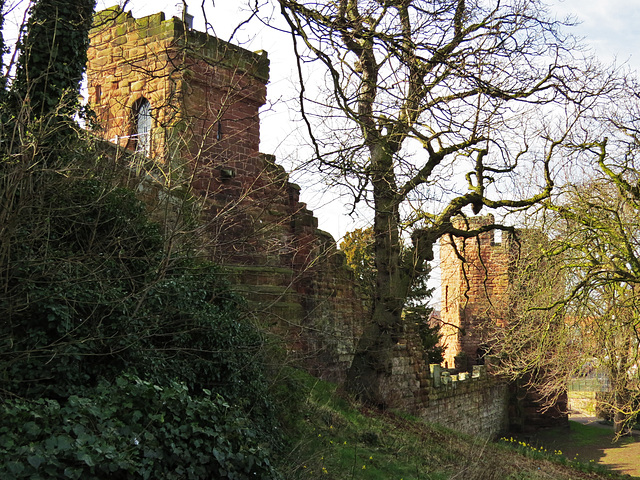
(473, 290)
(181, 97)
(188, 104)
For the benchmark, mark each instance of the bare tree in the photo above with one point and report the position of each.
(430, 107)
(601, 222)
(573, 307)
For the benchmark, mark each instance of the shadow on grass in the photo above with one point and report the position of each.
(591, 443)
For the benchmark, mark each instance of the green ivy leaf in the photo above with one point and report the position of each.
(35, 461)
(86, 458)
(31, 428)
(15, 468)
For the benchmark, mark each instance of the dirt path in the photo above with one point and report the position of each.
(587, 439)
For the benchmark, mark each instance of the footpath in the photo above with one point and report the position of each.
(622, 456)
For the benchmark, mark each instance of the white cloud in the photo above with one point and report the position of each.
(609, 27)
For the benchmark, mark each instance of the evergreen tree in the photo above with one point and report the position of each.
(53, 57)
(358, 246)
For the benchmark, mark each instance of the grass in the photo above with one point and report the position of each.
(591, 445)
(584, 435)
(332, 437)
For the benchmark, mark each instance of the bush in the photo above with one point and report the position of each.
(130, 429)
(101, 299)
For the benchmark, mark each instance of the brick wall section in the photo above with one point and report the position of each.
(474, 403)
(130, 59)
(473, 291)
(205, 96)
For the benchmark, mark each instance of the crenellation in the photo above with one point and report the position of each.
(205, 96)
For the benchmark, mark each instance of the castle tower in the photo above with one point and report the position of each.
(188, 103)
(473, 290)
(181, 97)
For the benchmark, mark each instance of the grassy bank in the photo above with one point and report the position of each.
(592, 444)
(335, 438)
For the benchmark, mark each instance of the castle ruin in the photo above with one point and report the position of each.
(189, 103)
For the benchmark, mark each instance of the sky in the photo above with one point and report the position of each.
(609, 27)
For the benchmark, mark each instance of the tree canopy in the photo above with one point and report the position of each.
(588, 321)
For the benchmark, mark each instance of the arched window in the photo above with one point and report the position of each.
(142, 126)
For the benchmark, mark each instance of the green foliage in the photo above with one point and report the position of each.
(131, 429)
(358, 246)
(53, 56)
(359, 249)
(91, 292)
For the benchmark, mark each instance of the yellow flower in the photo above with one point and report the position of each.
(364, 467)
(324, 470)
(370, 458)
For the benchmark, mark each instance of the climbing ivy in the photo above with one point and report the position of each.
(53, 57)
(131, 428)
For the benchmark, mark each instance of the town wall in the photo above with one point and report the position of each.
(477, 274)
(205, 97)
(475, 403)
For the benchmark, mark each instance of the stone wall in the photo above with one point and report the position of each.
(474, 403)
(205, 96)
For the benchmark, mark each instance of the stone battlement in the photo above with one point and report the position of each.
(189, 103)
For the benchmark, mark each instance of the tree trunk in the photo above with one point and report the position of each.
(372, 359)
(619, 417)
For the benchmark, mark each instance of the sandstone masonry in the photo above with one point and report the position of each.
(204, 96)
(473, 291)
(189, 104)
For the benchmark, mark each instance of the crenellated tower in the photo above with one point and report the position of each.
(188, 104)
(475, 280)
(179, 96)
